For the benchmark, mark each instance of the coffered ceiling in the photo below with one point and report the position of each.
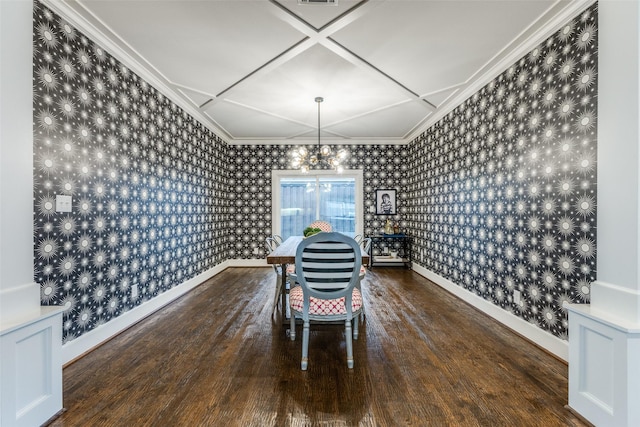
(251, 69)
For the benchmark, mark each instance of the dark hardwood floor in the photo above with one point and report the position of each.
(216, 357)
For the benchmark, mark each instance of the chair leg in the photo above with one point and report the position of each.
(347, 326)
(292, 327)
(355, 327)
(305, 346)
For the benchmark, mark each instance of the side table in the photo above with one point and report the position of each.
(382, 246)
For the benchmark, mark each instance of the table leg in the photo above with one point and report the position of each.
(284, 291)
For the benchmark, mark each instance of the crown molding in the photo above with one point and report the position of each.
(100, 33)
(324, 141)
(548, 23)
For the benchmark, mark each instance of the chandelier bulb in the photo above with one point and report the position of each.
(325, 150)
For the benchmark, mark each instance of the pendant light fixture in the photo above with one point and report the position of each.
(304, 160)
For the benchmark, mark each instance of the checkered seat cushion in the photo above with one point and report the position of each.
(322, 225)
(324, 307)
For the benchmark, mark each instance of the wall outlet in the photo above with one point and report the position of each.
(256, 251)
(63, 203)
(516, 297)
(134, 291)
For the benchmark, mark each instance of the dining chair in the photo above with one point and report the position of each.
(322, 225)
(366, 245)
(327, 268)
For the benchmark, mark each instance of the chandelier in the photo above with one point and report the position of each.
(303, 159)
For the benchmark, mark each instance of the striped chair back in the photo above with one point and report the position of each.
(328, 263)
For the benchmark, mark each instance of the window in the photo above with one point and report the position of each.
(298, 200)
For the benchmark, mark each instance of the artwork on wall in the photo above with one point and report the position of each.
(386, 202)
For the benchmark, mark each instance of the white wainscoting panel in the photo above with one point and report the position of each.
(31, 371)
(604, 373)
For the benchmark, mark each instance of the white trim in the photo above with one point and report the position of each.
(325, 141)
(278, 174)
(101, 34)
(19, 303)
(498, 64)
(551, 343)
(31, 370)
(561, 11)
(92, 339)
(251, 262)
(604, 379)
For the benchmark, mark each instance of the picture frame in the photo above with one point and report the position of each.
(386, 203)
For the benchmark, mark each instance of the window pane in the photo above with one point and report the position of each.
(298, 206)
(337, 204)
(306, 199)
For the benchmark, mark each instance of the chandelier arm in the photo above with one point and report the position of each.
(305, 160)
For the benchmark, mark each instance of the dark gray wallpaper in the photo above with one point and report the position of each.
(384, 166)
(150, 185)
(502, 191)
(498, 196)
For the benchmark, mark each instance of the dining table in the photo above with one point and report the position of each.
(285, 254)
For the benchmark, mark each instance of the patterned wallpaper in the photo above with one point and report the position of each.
(148, 182)
(498, 195)
(383, 166)
(502, 191)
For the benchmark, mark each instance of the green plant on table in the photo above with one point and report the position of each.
(310, 231)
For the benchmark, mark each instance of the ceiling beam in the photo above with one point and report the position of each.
(322, 36)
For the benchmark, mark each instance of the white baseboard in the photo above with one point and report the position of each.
(76, 348)
(545, 340)
(81, 345)
(260, 262)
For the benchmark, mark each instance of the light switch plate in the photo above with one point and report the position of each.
(63, 203)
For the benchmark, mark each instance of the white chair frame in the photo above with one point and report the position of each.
(327, 267)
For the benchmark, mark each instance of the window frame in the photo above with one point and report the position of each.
(278, 174)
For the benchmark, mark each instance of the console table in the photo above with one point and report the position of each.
(400, 243)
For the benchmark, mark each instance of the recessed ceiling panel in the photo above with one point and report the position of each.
(393, 122)
(255, 66)
(429, 45)
(290, 89)
(319, 14)
(204, 45)
(243, 123)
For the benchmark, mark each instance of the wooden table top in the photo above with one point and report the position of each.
(286, 252)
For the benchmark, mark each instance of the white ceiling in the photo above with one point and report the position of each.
(251, 69)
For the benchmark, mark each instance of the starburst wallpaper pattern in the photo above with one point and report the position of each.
(499, 195)
(502, 191)
(148, 182)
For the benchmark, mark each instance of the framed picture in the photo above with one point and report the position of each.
(386, 202)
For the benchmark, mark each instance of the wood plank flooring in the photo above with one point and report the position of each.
(216, 357)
